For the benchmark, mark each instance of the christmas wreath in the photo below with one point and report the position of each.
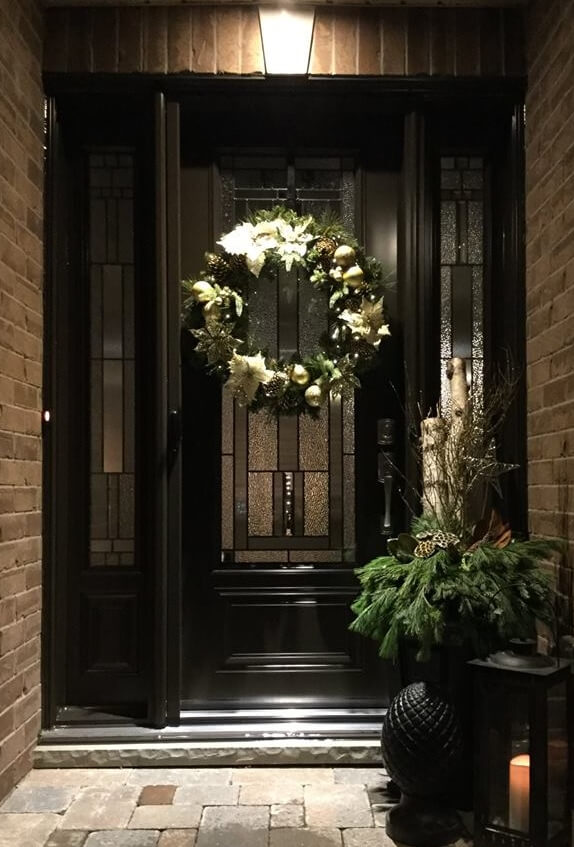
(215, 310)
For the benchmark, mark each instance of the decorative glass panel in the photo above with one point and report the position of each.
(462, 267)
(285, 496)
(112, 359)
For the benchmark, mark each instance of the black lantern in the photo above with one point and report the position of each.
(522, 726)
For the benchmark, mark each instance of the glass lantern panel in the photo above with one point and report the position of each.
(509, 759)
(557, 759)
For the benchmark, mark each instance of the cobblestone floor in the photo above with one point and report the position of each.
(197, 807)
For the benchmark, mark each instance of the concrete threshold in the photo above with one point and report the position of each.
(173, 754)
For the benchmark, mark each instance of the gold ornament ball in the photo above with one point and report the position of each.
(313, 396)
(354, 277)
(300, 375)
(344, 256)
(202, 291)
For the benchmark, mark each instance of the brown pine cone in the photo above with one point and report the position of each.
(325, 248)
(217, 267)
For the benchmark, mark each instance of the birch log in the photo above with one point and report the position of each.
(433, 441)
(456, 373)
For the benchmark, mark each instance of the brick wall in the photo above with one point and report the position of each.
(550, 272)
(21, 131)
(393, 41)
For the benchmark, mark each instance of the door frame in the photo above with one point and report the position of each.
(413, 97)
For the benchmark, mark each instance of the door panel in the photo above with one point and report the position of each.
(268, 586)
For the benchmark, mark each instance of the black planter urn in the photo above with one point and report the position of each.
(422, 745)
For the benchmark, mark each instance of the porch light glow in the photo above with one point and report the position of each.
(286, 35)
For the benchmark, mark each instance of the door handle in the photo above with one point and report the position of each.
(173, 432)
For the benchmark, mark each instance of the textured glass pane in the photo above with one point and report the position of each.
(475, 232)
(348, 201)
(227, 502)
(349, 503)
(227, 404)
(96, 452)
(262, 442)
(98, 250)
(472, 179)
(450, 179)
(314, 442)
(260, 518)
(113, 505)
(349, 424)
(122, 546)
(129, 312)
(261, 556)
(297, 556)
(101, 546)
(448, 251)
(445, 401)
(313, 316)
(316, 503)
(477, 376)
(129, 416)
(462, 311)
(462, 233)
(98, 506)
(113, 416)
(263, 313)
(127, 506)
(96, 311)
(125, 230)
(111, 230)
(445, 313)
(477, 312)
(112, 296)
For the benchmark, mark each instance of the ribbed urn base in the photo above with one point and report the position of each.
(423, 822)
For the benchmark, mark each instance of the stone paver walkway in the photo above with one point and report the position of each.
(197, 807)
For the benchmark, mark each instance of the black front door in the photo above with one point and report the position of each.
(277, 514)
(249, 615)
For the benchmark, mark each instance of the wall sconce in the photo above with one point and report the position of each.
(286, 35)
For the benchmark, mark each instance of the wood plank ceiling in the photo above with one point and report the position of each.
(373, 3)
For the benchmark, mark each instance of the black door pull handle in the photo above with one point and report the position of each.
(173, 432)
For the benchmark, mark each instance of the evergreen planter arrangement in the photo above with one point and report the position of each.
(454, 580)
(435, 589)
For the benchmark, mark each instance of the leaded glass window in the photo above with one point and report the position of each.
(112, 358)
(462, 266)
(288, 485)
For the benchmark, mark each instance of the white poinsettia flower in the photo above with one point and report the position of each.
(239, 240)
(246, 374)
(252, 242)
(294, 242)
(268, 228)
(368, 322)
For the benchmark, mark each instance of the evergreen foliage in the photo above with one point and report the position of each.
(483, 596)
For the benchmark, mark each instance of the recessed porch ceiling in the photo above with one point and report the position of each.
(421, 3)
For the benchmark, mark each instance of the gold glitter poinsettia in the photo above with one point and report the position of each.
(368, 323)
(246, 374)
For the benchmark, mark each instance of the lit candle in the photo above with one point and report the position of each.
(519, 793)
